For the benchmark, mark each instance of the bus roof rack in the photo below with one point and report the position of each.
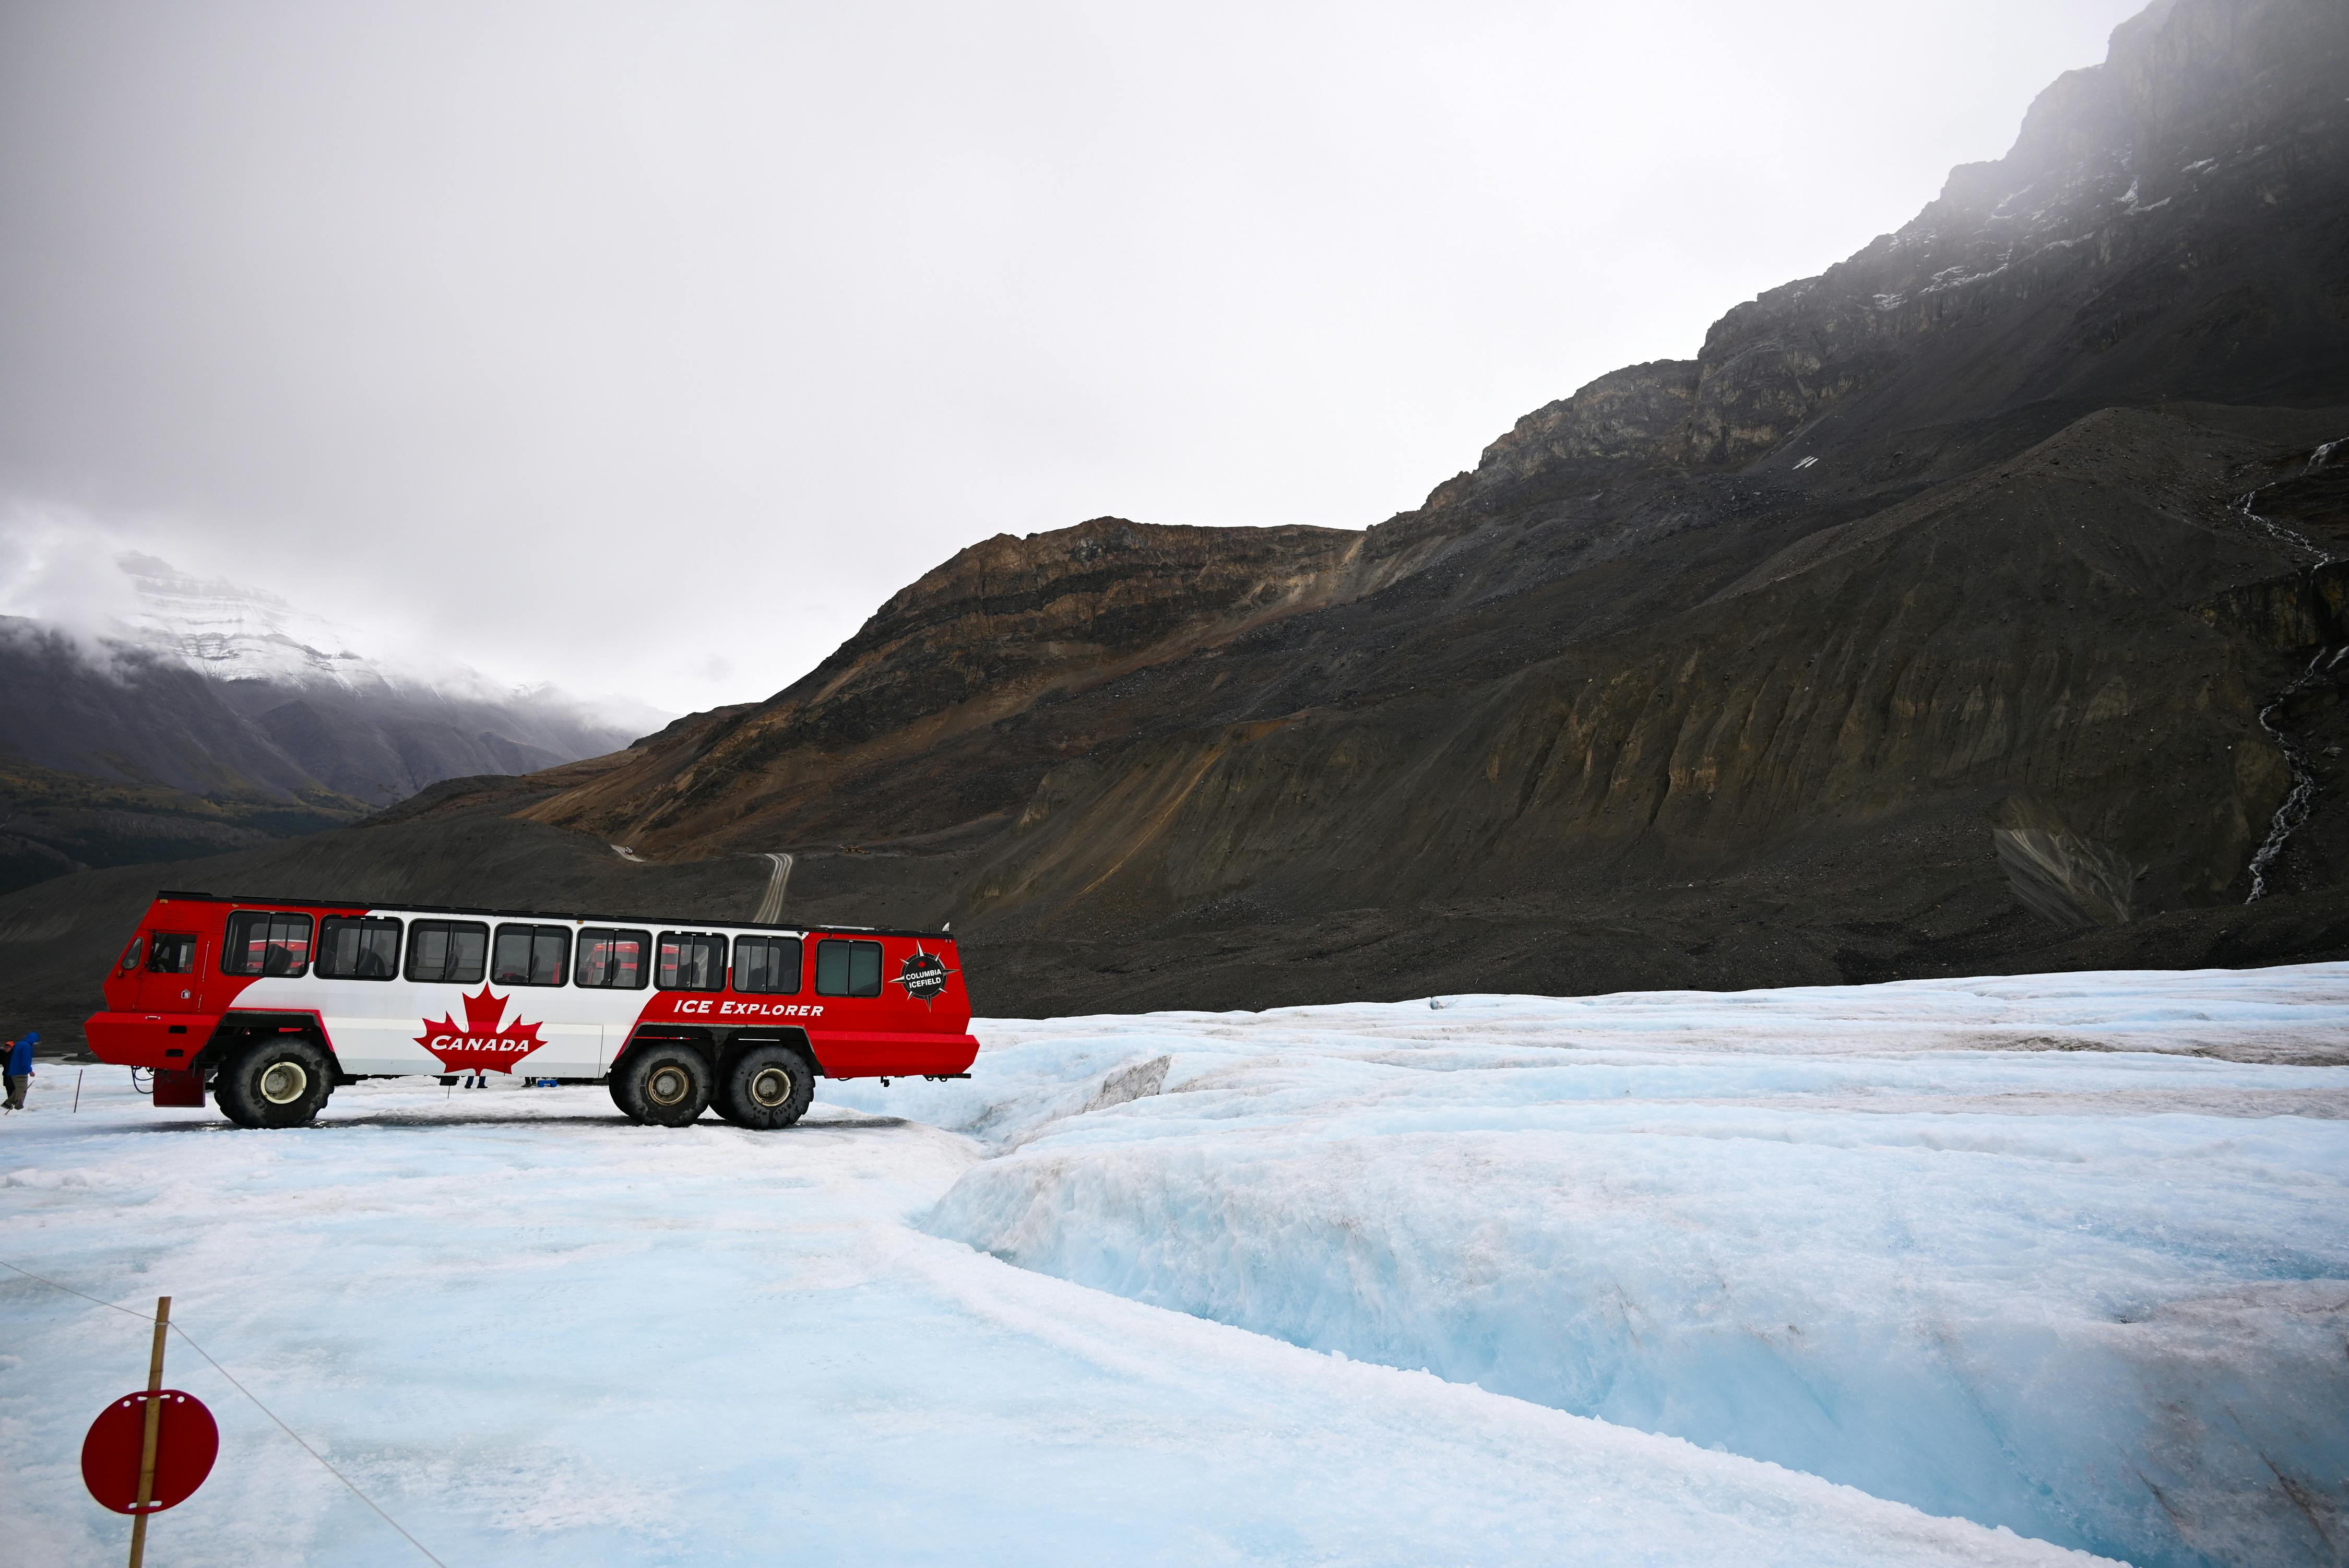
(684, 922)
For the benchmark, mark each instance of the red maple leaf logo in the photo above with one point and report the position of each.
(484, 1041)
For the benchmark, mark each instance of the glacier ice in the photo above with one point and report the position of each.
(2043, 1263)
(2068, 1255)
(535, 1334)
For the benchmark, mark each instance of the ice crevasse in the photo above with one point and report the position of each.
(2032, 1252)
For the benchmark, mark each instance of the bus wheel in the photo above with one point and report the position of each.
(666, 1085)
(618, 1085)
(768, 1087)
(278, 1082)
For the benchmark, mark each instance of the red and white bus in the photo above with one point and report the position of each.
(273, 1003)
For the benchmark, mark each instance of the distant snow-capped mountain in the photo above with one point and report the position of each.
(196, 715)
(231, 633)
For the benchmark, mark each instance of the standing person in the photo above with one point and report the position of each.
(20, 1069)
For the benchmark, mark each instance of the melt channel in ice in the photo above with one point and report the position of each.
(2064, 1253)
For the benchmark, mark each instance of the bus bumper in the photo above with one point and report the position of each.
(860, 1053)
(165, 1040)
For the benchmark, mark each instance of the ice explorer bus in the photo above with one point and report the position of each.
(272, 1004)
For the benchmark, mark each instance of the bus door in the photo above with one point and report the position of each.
(171, 977)
(614, 966)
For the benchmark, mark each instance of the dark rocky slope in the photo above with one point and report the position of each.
(1917, 627)
(899, 731)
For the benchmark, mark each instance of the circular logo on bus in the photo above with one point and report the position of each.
(923, 976)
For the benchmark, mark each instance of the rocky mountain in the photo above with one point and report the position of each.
(1973, 606)
(1944, 545)
(208, 716)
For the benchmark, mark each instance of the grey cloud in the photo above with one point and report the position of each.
(662, 342)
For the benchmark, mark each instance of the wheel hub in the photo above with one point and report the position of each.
(282, 1083)
(771, 1086)
(668, 1086)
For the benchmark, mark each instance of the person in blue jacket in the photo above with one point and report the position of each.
(20, 1069)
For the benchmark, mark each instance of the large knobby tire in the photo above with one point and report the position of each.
(666, 1085)
(765, 1087)
(280, 1081)
(615, 1084)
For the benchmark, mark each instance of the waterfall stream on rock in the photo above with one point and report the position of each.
(2300, 800)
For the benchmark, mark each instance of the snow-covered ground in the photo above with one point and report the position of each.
(1979, 1246)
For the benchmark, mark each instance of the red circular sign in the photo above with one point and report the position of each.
(186, 1443)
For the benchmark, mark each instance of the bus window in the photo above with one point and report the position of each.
(266, 942)
(353, 949)
(448, 951)
(174, 953)
(531, 955)
(690, 961)
(769, 964)
(613, 959)
(847, 968)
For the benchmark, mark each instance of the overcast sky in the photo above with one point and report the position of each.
(649, 348)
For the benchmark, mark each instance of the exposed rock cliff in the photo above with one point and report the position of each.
(2168, 225)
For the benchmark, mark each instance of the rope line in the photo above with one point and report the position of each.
(148, 1317)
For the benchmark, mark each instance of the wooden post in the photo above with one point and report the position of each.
(154, 1430)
